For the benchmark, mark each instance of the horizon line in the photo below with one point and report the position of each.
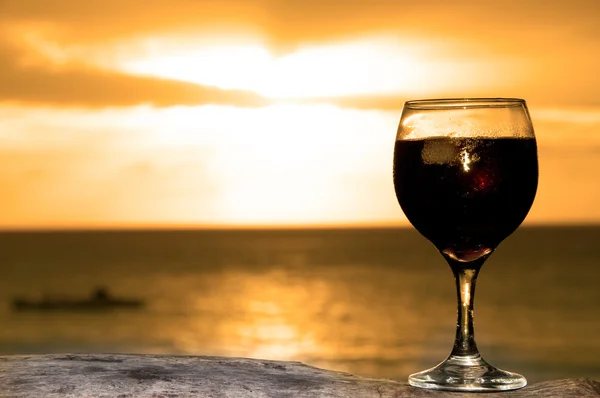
(258, 227)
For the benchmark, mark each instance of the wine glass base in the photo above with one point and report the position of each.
(467, 373)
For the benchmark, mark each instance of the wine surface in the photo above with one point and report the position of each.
(466, 194)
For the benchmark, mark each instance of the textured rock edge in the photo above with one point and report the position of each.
(125, 376)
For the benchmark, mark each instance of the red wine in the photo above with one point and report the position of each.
(466, 194)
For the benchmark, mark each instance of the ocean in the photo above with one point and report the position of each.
(373, 302)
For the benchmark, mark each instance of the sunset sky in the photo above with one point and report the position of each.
(273, 112)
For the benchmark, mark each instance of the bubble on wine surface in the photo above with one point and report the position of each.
(439, 152)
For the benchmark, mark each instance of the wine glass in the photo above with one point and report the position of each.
(465, 175)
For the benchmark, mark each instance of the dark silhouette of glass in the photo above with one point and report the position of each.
(465, 175)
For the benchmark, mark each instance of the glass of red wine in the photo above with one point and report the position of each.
(466, 175)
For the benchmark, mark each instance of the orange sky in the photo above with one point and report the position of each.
(273, 112)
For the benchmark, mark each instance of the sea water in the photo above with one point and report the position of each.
(374, 302)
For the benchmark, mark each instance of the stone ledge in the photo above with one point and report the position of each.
(129, 376)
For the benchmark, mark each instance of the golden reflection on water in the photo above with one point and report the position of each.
(320, 318)
(275, 317)
(276, 325)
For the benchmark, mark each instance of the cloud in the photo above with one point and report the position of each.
(556, 43)
(294, 20)
(84, 86)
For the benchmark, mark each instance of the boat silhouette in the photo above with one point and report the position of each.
(99, 299)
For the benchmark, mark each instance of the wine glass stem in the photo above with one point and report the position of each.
(465, 276)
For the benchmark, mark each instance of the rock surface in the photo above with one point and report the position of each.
(124, 376)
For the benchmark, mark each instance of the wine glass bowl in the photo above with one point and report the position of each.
(465, 175)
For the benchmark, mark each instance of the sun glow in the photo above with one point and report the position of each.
(200, 165)
(286, 170)
(350, 68)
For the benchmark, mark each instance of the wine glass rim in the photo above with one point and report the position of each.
(465, 103)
